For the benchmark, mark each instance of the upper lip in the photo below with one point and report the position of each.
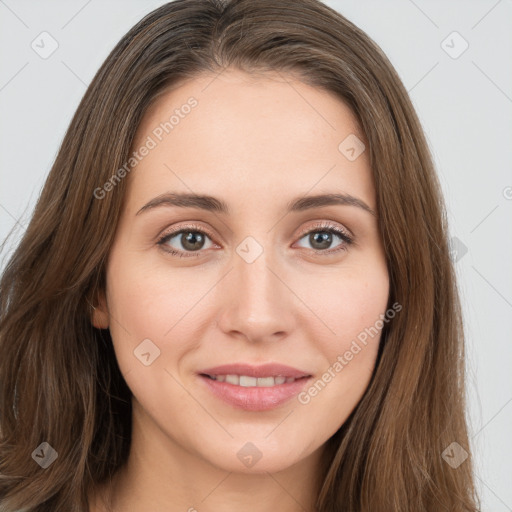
(264, 370)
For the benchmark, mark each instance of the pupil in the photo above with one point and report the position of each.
(191, 239)
(322, 239)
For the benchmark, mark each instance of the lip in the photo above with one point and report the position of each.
(255, 398)
(264, 370)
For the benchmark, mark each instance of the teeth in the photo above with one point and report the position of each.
(266, 382)
(233, 379)
(246, 381)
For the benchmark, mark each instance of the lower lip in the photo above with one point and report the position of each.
(255, 398)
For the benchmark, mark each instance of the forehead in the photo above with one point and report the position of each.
(250, 136)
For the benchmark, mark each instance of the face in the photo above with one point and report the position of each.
(253, 284)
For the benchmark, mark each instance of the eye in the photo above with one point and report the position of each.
(324, 234)
(190, 241)
(186, 241)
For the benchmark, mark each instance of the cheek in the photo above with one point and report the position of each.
(150, 325)
(146, 303)
(345, 305)
(353, 314)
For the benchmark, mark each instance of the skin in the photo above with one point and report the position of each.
(256, 142)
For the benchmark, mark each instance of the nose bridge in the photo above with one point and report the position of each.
(257, 284)
(257, 304)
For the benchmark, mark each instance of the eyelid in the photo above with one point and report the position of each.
(325, 224)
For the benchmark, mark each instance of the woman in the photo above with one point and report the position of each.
(236, 289)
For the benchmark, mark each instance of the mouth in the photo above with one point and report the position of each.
(246, 381)
(254, 388)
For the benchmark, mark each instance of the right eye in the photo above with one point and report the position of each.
(190, 241)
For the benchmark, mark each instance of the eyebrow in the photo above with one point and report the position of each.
(213, 204)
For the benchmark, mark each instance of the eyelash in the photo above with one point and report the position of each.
(321, 227)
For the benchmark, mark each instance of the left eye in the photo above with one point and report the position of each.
(321, 239)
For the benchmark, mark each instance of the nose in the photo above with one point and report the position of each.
(257, 302)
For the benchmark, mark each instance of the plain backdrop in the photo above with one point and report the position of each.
(455, 59)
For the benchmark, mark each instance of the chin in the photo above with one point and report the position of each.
(257, 457)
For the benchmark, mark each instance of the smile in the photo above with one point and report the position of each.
(246, 381)
(253, 393)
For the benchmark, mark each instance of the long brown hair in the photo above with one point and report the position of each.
(59, 379)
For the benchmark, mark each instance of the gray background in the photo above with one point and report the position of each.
(464, 103)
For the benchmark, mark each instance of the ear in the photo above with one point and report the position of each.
(99, 315)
